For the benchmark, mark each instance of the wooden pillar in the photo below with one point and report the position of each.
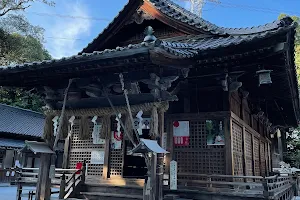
(280, 149)
(66, 151)
(228, 135)
(228, 146)
(170, 148)
(244, 152)
(259, 160)
(253, 158)
(187, 98)
(43, 187)
(153, 176)
(105, 174)
(44, 183)
(160, 158)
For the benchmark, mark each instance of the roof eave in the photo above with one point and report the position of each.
(292, 74)
(117, 23)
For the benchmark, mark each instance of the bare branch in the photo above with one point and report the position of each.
(12, 5)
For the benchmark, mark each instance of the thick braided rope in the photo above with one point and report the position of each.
(108, 111)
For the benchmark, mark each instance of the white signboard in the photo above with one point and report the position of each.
(116, 140)
(97, 157)
(181, 133)
(173, 175)
(96, 135)
(145, 123)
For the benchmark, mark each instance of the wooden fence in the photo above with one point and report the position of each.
(7, 175)
(273, 187)
(65, 179)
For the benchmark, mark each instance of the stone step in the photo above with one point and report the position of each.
(110, 196)
(104, 188)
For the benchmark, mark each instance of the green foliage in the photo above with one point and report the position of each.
(293, 148)
(20, 42)
(293, 143)
(21, 98)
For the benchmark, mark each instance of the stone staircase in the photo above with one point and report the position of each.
(108, 190)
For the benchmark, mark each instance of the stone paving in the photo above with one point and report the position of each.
(8, 192)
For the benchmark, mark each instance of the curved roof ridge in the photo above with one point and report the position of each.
(198, 22)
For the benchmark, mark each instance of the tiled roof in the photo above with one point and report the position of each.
(4, 142)
(193, 45)
(21, 121)
(189, 47)
(177, 12)
(82, 57)
(182, 15)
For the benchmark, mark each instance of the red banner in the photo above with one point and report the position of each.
(181, 141)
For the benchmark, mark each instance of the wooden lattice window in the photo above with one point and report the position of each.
(248, 153)
(198, 157)
(80, 150)
(256, 157)
(237, 142)
(262, 159)
(116, 156)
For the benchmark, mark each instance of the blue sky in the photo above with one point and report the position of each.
(66, 35)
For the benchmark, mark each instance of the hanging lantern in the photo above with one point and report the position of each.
(264, 77)
(272, 135)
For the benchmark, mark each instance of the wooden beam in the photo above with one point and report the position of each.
(280, 47)
(44, 183)
(244, 152)
(152, 10)
(67, 149)
(253, 153)
(160, 157)
(117, 100)
(229, 167)
(106, 171)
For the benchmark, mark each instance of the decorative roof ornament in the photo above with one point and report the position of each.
(149, 35)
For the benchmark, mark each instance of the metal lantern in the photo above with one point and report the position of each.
(264, 77)
(272, 135)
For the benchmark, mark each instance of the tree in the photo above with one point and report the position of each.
(7, 6)
(20, 42)
(297, 44)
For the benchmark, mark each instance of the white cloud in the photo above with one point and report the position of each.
(187, 5)
(63, 35)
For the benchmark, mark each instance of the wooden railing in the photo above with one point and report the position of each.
(273, 187)
(69, 187)
(29, 177)
(6, 175)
